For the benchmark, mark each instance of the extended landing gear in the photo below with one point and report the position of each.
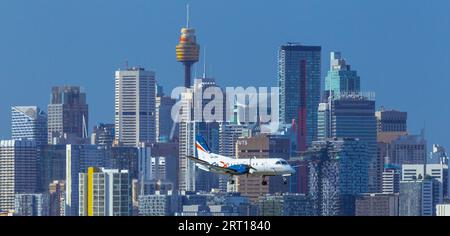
(231, 180)
(264, 182)
(284, 180)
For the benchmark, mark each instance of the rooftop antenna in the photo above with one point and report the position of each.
(126, 64)
(187, 16)
(204, 64)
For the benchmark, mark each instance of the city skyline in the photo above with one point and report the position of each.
(371, 67)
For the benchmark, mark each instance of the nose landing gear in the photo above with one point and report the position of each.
(264, 182)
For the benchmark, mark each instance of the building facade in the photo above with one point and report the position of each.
(68, 115)
(135, 95)
(299, 80)
(338, 172)
(78, 159)
(105, 192)
(29, 122)
(18, 171)
(376, 204)
(353, 116)
(31, 204)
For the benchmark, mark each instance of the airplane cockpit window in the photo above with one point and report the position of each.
(284, 163)
(278, 163)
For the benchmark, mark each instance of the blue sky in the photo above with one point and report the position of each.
(401, 49)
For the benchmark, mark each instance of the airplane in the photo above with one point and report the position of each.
(212, 162)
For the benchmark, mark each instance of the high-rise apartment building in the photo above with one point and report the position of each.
(29, 122)
(18, 170)
(67, 115)
(135, 106)
(338, 172)
(299, 80)
(191, 179)
(105, 192)
(78, 159)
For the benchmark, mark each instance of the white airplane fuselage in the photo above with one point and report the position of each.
(261, 166)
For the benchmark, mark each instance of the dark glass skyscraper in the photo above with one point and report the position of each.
(67, 115)
(299, 82)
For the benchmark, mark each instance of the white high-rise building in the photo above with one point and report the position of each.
(135, 106)
(18, 170)
(193, 122)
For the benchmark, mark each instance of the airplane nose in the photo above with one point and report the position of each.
(291, 170)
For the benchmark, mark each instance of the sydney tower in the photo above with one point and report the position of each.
(187, 50)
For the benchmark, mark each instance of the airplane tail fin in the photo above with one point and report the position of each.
(203, 150)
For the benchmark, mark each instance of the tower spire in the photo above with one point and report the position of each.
(204, 64)
(187, 16)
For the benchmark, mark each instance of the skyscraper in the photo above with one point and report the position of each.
(78, 159)
(29, 122)
(105, 192)
(341, 78)
(353, 116)
(187, 50)
(299, 81)
(391, 121)
(189, 178)
(18, 170)
(338, 172)
(135, 106)
(67, 115)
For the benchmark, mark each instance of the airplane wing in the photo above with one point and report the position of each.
(214, 167)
